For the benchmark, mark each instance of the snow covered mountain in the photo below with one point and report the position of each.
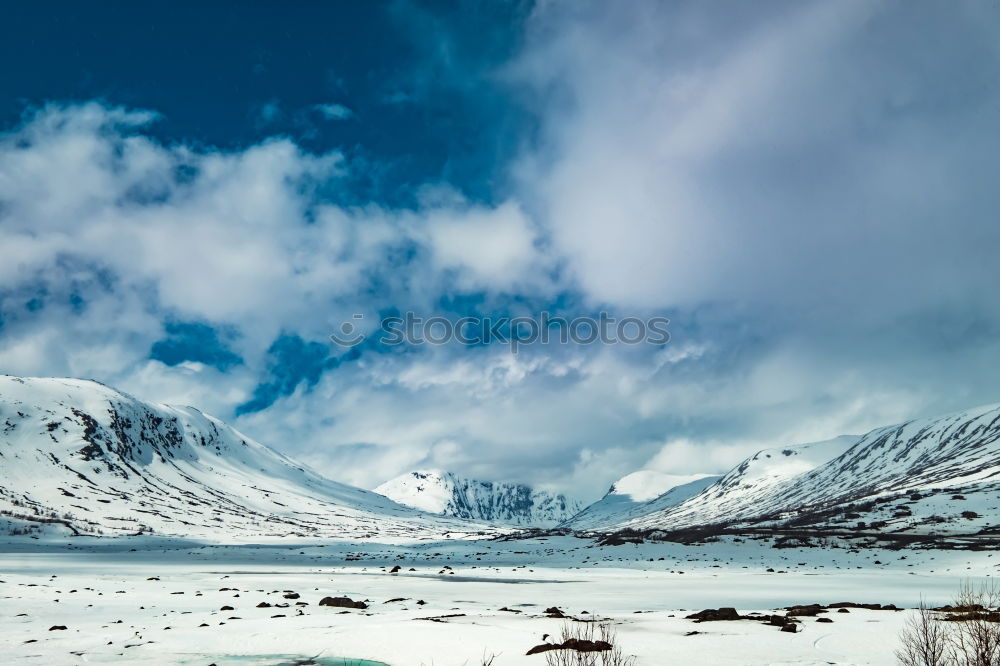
(638, 494)
(84, 458)
(451, 495)
(743, 488)
(927, 476)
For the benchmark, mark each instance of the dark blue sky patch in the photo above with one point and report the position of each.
(291, 361)
(195, 341)
(418, 78)
(76, 302)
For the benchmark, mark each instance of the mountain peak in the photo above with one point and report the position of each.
(82, 457)
(449, 494)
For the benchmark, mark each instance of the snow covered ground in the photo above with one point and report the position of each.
(147, 533)
(161, 602)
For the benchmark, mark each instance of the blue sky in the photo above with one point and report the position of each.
(404, 89)
(192, 199)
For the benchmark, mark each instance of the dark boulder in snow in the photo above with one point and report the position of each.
(342, 602)
(811, 610)
(578, 644)
(715, 615)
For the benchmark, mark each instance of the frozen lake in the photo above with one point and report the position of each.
(178, 603)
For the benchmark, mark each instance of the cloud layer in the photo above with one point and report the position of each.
(806, 190)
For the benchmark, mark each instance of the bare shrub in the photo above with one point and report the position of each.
(924, 641)
(966, 633)
(975, 626)
(585, 631)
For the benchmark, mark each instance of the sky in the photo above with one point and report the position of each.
(193, 197)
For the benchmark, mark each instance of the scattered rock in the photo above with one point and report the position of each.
(851, 604)
(577, 644)
(811, 610)
(440, 618)
(291, 595)
(715, 615)
(57, 627)
(342, 602)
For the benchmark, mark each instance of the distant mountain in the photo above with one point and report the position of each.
(926, 476)
(80, 457)
(638, 494)
(744, 488)
(448, 494)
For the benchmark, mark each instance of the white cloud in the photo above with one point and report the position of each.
(334, 111)
(689, 156)
(806, 187)
(489, 248)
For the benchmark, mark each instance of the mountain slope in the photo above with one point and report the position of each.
(102, 462)
(935, 475)
(451, 495)
(638, 494)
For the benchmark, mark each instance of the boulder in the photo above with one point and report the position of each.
(578, 644)
(342, 602)
(811, 610)
(715, 615)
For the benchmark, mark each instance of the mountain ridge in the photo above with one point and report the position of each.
(95, 460)
(937, 475)
(450, 494)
